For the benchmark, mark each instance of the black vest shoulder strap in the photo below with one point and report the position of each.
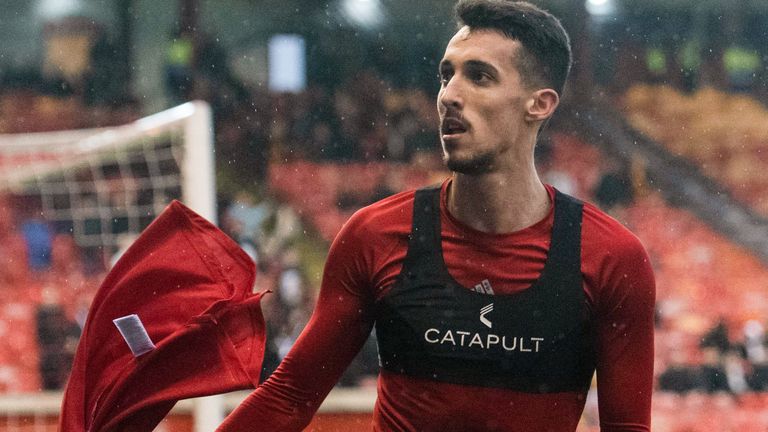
(425, 241)
(565, 247)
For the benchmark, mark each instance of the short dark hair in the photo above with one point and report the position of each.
(545, 57)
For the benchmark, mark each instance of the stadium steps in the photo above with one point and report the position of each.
(680, 181)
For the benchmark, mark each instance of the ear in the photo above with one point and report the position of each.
(541, 105)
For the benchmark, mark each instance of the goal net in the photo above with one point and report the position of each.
(101, 184)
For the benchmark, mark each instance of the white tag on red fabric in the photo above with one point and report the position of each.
(135, 334)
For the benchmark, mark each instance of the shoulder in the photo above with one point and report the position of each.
(604, 235)
(615, 265)
(367, 239)
(395, 208)
(380, 223)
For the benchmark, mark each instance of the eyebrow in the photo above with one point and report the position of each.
(481, 65)
(473, 64)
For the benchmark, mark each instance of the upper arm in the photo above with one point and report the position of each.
(625, 325)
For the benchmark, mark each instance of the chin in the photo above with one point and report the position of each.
(476, 165)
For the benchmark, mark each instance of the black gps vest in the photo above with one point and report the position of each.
(537, 341)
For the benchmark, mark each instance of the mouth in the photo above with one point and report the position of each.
(452, 127)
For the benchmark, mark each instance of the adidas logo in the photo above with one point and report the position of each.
(484, 287)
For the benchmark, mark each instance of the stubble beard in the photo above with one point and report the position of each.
(477, 164)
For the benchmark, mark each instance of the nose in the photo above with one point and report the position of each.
(450, 95)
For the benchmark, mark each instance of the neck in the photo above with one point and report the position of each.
(499, 202)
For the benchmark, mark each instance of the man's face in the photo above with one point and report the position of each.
(481, 102)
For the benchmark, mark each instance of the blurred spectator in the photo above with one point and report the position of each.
(756, 355)
(291, 287)
(38, 236)
(288, 310)
(758, 377)
(211, 59)
(321, 140)
(242, 143)
(284, 227)
(754, 342)
(350, 199)
(301, 124)
(57, 338)
(244, 220)
(179, 64)
(680, 376)
(741, 66)
(733, 364)
(6, 215)
(656, 64)
(689, 58)
(390, 183)
(373, 143)
(717, 338)
(713, 373)
(614, 187)
(415, 120)
(13, 247)
(213, 80)
(102, 83)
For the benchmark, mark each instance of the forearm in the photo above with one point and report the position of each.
(340, 325)
(293, 393)
(260, 413)
(276, 405)
(287, 401)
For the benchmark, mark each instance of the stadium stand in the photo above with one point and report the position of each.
(722, 133)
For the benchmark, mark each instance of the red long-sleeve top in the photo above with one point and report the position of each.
(363, 263)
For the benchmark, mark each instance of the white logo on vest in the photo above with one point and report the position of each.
(485, 311)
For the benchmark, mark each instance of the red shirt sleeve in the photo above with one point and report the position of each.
(624, 311)
(340, 325)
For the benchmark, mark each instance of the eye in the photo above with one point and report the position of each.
(444, 77)
(480, 77)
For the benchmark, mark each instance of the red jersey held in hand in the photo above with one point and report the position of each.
(191, 287)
